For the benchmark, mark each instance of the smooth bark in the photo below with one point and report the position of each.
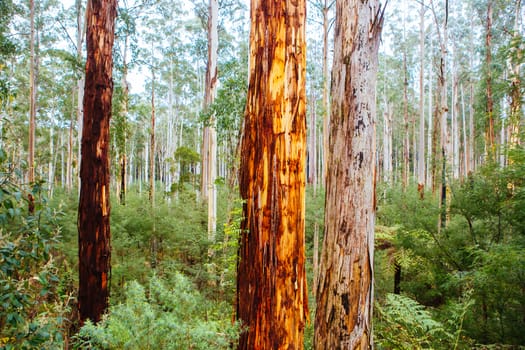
(211, 133)
(32, 95)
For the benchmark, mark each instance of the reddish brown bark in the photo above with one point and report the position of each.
(271, 282)
(344, 291)
(94, 208)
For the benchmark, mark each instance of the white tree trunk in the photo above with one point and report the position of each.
(210, 138)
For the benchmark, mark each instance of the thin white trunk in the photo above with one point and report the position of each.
(211, 140)
(421, 143)
(50, 170)
(81, 31)
(455, 128)
(503, 134)
(326, 92)
(62, 161)
(472, 154)
(32, 96)
(387, 145)
(430, 124)
(464, 129)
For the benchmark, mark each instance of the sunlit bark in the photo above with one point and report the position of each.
(271, 282)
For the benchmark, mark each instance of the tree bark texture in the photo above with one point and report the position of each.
(94, 207)
(345, 288)
(271, 282)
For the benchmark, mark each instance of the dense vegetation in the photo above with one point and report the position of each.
(449, 270)
(460, 286)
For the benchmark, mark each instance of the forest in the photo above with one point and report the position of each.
(219, 174)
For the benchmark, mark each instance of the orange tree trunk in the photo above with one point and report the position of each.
(93, 210)
(271, 281)
(344, 290)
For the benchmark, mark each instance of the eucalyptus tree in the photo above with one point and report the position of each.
(271, 281)
(125, 46)
(515, 61)
(344, 291)
(32, 94)
(94, 208)
(209, 149)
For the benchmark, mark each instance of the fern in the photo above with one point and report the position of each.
(403, 323)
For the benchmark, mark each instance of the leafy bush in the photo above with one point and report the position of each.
(30, 309)
(170, 314)
(479, 250)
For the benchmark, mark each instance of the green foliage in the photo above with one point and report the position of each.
(7, 10)
(471, 271)
(30, 309)
(170, 314)
(403, 323)
(187, 159)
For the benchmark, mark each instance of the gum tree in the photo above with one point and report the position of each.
(344, 290)
(271, 281)
(94, 209)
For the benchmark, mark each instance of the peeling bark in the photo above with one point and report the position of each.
(345, 287)
(271, 283)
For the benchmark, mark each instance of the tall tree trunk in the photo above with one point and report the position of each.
(151, 189)
(466, 147)
(430, 132)
(151, 161)
(50, 163)
(471, 137)
(345, 289)
(326, 102)
(441, 156)
(312, 145)
(94, 208)
(316, 257)
(271, 280)
(81, 29)
(490, 135)
(32, 95)
(471, 130)
(516, 97)
(406, 134)
(455, 123)
(124, 113)
(387, 144)
(211, 134)
(69, 160)
(421, 138)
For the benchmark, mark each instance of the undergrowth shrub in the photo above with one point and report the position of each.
(31, 309)
(167, 314)
(403, 323)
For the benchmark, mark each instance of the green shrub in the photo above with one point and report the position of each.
(403, 323)
(169, 314)
(31, 311)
